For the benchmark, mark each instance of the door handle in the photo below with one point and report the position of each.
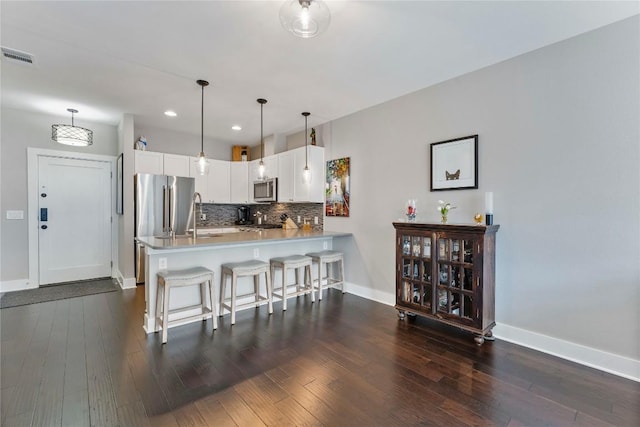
(44, 227)
(44, 214)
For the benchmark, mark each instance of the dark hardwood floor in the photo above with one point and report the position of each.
(345, 361)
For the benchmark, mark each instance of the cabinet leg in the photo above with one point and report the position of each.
(401, 314)
(489, 336)
(479, 339)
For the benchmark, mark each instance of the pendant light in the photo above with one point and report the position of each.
(261, 101)
(71, 135)
(306, 172)
(203, 162)
(305, 18)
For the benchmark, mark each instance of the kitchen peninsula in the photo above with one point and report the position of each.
(213, 247)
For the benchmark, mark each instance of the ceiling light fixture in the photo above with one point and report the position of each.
(170, 113)
(261, 101)
(305, 18)
(203, 163)
(72, 135)
(306, 173)
(236, 127)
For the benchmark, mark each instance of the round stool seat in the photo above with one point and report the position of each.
(292, 261)
(326, 256)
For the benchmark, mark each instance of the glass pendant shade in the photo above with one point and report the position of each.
(203, 163)
(72, 135)
(261, 168)
(305, 18)
(306, 175)
(306, 172)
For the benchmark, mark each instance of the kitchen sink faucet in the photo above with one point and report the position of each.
(196, 196)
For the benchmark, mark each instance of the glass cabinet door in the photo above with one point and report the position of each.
(454, 265)
(415, 271)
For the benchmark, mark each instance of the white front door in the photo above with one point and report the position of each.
(74, 219)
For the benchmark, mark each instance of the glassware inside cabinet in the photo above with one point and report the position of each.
(443, 249)
(417, 241)
(468, 251)
(406, 268)
(406, 245)
(426, 271)
(426, 252)
(443, 300)
(406, 292)
(455, 250)
(455, 276)
(443, 274)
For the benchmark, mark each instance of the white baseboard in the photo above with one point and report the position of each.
(386, 298)
(594, 358)
(16, 285)
(588, 356)
(125, 283)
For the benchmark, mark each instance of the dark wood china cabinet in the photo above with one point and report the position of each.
(446, 272)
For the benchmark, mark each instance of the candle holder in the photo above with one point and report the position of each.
(411, 210)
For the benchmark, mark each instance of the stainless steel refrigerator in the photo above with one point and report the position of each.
(164, 206)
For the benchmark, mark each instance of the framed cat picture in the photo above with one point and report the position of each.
(454, 164)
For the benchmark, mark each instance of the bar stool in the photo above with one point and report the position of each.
(326, 259)
(244, 269)
(168, 280)
(295, 262)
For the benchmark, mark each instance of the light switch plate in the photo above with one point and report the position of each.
(162, 263)
(15, 214)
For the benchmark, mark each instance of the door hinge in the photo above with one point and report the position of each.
(111, 220)
(111, 174)
(111, 264)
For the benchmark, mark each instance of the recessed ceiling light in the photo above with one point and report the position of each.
(236, 127)
(170, 113)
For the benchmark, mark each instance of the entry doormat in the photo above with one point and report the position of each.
(59, 291)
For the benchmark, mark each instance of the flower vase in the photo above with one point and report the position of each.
(443, 219)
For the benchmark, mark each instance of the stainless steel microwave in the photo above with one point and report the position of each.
(266, 190)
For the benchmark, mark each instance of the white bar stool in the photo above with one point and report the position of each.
(168, 280)
(244, 269)
(328, 259)
(295, 262)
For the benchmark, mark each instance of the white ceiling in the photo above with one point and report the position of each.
(106, 58)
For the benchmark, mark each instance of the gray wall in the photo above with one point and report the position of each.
(20, 130)
(558, 145)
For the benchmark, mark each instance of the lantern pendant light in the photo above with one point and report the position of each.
(203, 162)
(306, 172)
(261, 167)
(71, 135)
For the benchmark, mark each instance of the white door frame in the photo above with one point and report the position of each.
(32, 193)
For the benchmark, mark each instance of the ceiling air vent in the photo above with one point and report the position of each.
(17, 56)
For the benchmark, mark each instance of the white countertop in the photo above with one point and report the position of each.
(210, 239)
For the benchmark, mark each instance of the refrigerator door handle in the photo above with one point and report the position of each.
(164, 208)
(170, 210)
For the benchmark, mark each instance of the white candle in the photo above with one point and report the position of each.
(488, 202)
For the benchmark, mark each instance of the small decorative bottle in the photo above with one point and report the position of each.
(411, 210)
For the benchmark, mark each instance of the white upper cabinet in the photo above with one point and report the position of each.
(149, 162)
(176, 165)
(161, 163)
(291, 185)
(240, 182)
(213, 187)
(286, 163)
(314, 190)
(219, 185)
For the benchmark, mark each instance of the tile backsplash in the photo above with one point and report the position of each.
(226, 215)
